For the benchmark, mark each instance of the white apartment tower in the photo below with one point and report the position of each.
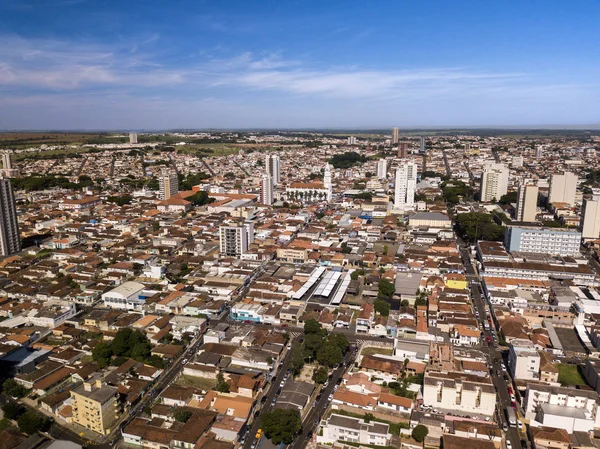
(406, 182)
(327, 181)
(10, 240)
(266, 190)
(272, 165)
(235, 239)
(563, 188)
(527, 196)
(590, 228)
(423, 141)
(168, 184)
(133, 138)
(7, 167)
(382, 168)
(494, 182)
(395, 136)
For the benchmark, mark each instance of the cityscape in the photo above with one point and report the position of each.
(299, 225)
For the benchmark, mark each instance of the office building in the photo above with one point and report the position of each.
(494, 182)
(395, 135)
(402, 150)
(527, 197)
(272, 165)
(534, 239)
(168, 184)
(95, 406)
(382, 168)
(590, 228)
(235, 239)
(406, 182)
(133, 138)
(422, 149)
(266, 190)
(10, 239)
(563, 188)
(523, 360)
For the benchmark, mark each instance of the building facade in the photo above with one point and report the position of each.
(523, 360)
(527, 196)
(273, 167)
(10, 238)
(168, 184)
(406, 182)
(533, 239)
(590, 228)
(235, 239)
(95, 406)
(382, 168)
(266, 190)
(563, 188)
(494, 182)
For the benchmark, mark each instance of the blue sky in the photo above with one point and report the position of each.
(152, 64)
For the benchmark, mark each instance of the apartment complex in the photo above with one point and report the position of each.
(95, 406)
(382, 168)
(534, 239)
(235, 239)
(354, 430)
(527, 196)
(406, 181)
(590, 228)
(168, 184)
(272, 166)
(266, 190)
(563, 188)
(10, 239)
(523, 360)
(494, 182)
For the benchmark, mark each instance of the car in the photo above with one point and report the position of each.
(258, 434)
(273, 402)
(505, 427)
(184, 361)
(508, 444)
(254, 445)
(282, 383)
(278, 392)
(330, 398)
(510, 390)
(523, 444)
(325, 384)
(263, 400)
(310, 434)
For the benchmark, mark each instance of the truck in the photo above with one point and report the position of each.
(511, 416)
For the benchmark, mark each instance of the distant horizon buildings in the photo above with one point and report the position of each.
(273, 168)
(527, 196)
(423, 143)
(133, 138)
(494, 182)
(402, 150)
(7, 166)
(168, 184)
(395, 136)
(563, 188)
(10, 239)
(405, 186)
(352, 140)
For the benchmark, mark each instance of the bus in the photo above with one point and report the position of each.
(511, 417)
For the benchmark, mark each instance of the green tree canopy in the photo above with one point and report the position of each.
(330, 355)
(386, 289)
(12, 388)
(312, 326)
(419, 433)
(320, 376)
(222, 385)
(281, 426)
(182, 415)
(478, 226)
(382, 307)
(30, 422)
(12, 410)
(347, 159)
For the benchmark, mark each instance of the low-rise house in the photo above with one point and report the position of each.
(354, 430)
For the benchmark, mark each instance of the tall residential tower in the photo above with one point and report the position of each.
(494, 182)
(10, 239)
(406, 183)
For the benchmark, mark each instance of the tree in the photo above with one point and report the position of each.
(510, 197)
(297, 360)
(386, 289)
(12, 388)
(222, 386)
(312, 343)
(340, 341)
(478, 226)
(102, 354)
(30, 422)
(12, 410)
(382, 307)
(312, 326)
(357, 273)
(182, 415)
(419, 433)
(329, 355)
(120, 200)
(281, 426)
(200, 198)
(320, 376)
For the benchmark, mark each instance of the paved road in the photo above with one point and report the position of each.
(495, 357)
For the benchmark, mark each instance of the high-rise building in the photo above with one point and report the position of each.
(266, 190)
(7, 167)
(539, 152)
(563, 188)
(10, 239)
(352, 140)
(382, 168)
(590, 228)
(327, 181)
(527, 197)
(406, 182)
(395, 135)
(272, 165)
(494, 182)
(168, 184)
(402, 150)
(95, 406)
(423, 141)
(235, 239)
(133, 138)
(533, 239)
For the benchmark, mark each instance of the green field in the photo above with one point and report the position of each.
(569, 374)
(197, 382)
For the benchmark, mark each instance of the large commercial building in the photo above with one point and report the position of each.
(590, 228)
(266, 190)
(534, 239)
(168, 184)
(395, 135)
(10, 240)
(235, 239)
(382, 168)
(127, 296)
(406, 182)
(494, 182)
(563, 188)
(272, 165)
(527, 196)
(95, 406)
